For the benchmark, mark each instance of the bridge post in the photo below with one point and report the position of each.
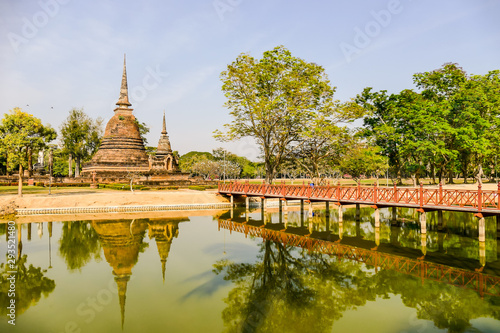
(302, 206)
(482, 253)
(498, 196)
(377, 218)
(232, 212)
(423, 221)
(327, 212)
(232, 200)
(310, 209)
(377, 235)
(421, 195)
(423, 243)
(358, 212)
(479, 197)
(341, 229)
(482, 229)
(247, 203)
(280, 206)
(440, 192)
(341, 216)
(263, 203)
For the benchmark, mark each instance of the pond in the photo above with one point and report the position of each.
(252, 272)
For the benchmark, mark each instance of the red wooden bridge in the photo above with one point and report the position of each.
(480, 201)
(484, 284)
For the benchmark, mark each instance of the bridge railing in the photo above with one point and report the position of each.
(478, 199)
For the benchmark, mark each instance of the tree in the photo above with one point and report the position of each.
(273, 100)
(187, 161)
(81, 136)
(363, 160)
(143, 131)
(21, 134)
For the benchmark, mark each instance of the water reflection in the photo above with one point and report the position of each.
(324, 277)
(278, 272)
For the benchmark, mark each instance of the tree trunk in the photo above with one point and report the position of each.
(70, 166)
(77, 167)
(20, 185)
(450, 177)
(433, 171)
(30, 162)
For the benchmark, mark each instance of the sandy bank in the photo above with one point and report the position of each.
(111, 198)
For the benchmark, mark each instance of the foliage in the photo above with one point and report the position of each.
(143, 131)
(450, 126)
(31, 284)
(79, 244)
(80, 136)
(273, 100)
(21, 135)
(363, 160)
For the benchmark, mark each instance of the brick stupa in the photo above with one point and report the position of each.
(122, 148)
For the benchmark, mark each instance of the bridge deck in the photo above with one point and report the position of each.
(475, 201)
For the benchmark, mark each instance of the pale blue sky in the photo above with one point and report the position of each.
(60, 54)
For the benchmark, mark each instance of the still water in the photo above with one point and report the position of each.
(254, 272)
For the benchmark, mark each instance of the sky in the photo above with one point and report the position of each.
(56, 55)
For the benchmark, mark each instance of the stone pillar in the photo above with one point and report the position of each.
(423, 241)
(341, 229)
(377, 218)
(482, 253)
(423, 222)
(482, 230)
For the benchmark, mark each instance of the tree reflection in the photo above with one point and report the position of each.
(31, 284)
(79, 244)
(289, 291)
(447, 306)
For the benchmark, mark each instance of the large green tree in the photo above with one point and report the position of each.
(21, 135)
(80, 138)
(273, 100)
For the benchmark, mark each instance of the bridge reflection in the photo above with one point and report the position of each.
(418, 263)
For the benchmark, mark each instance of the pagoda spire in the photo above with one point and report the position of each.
(123, 100)
(164, 131)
